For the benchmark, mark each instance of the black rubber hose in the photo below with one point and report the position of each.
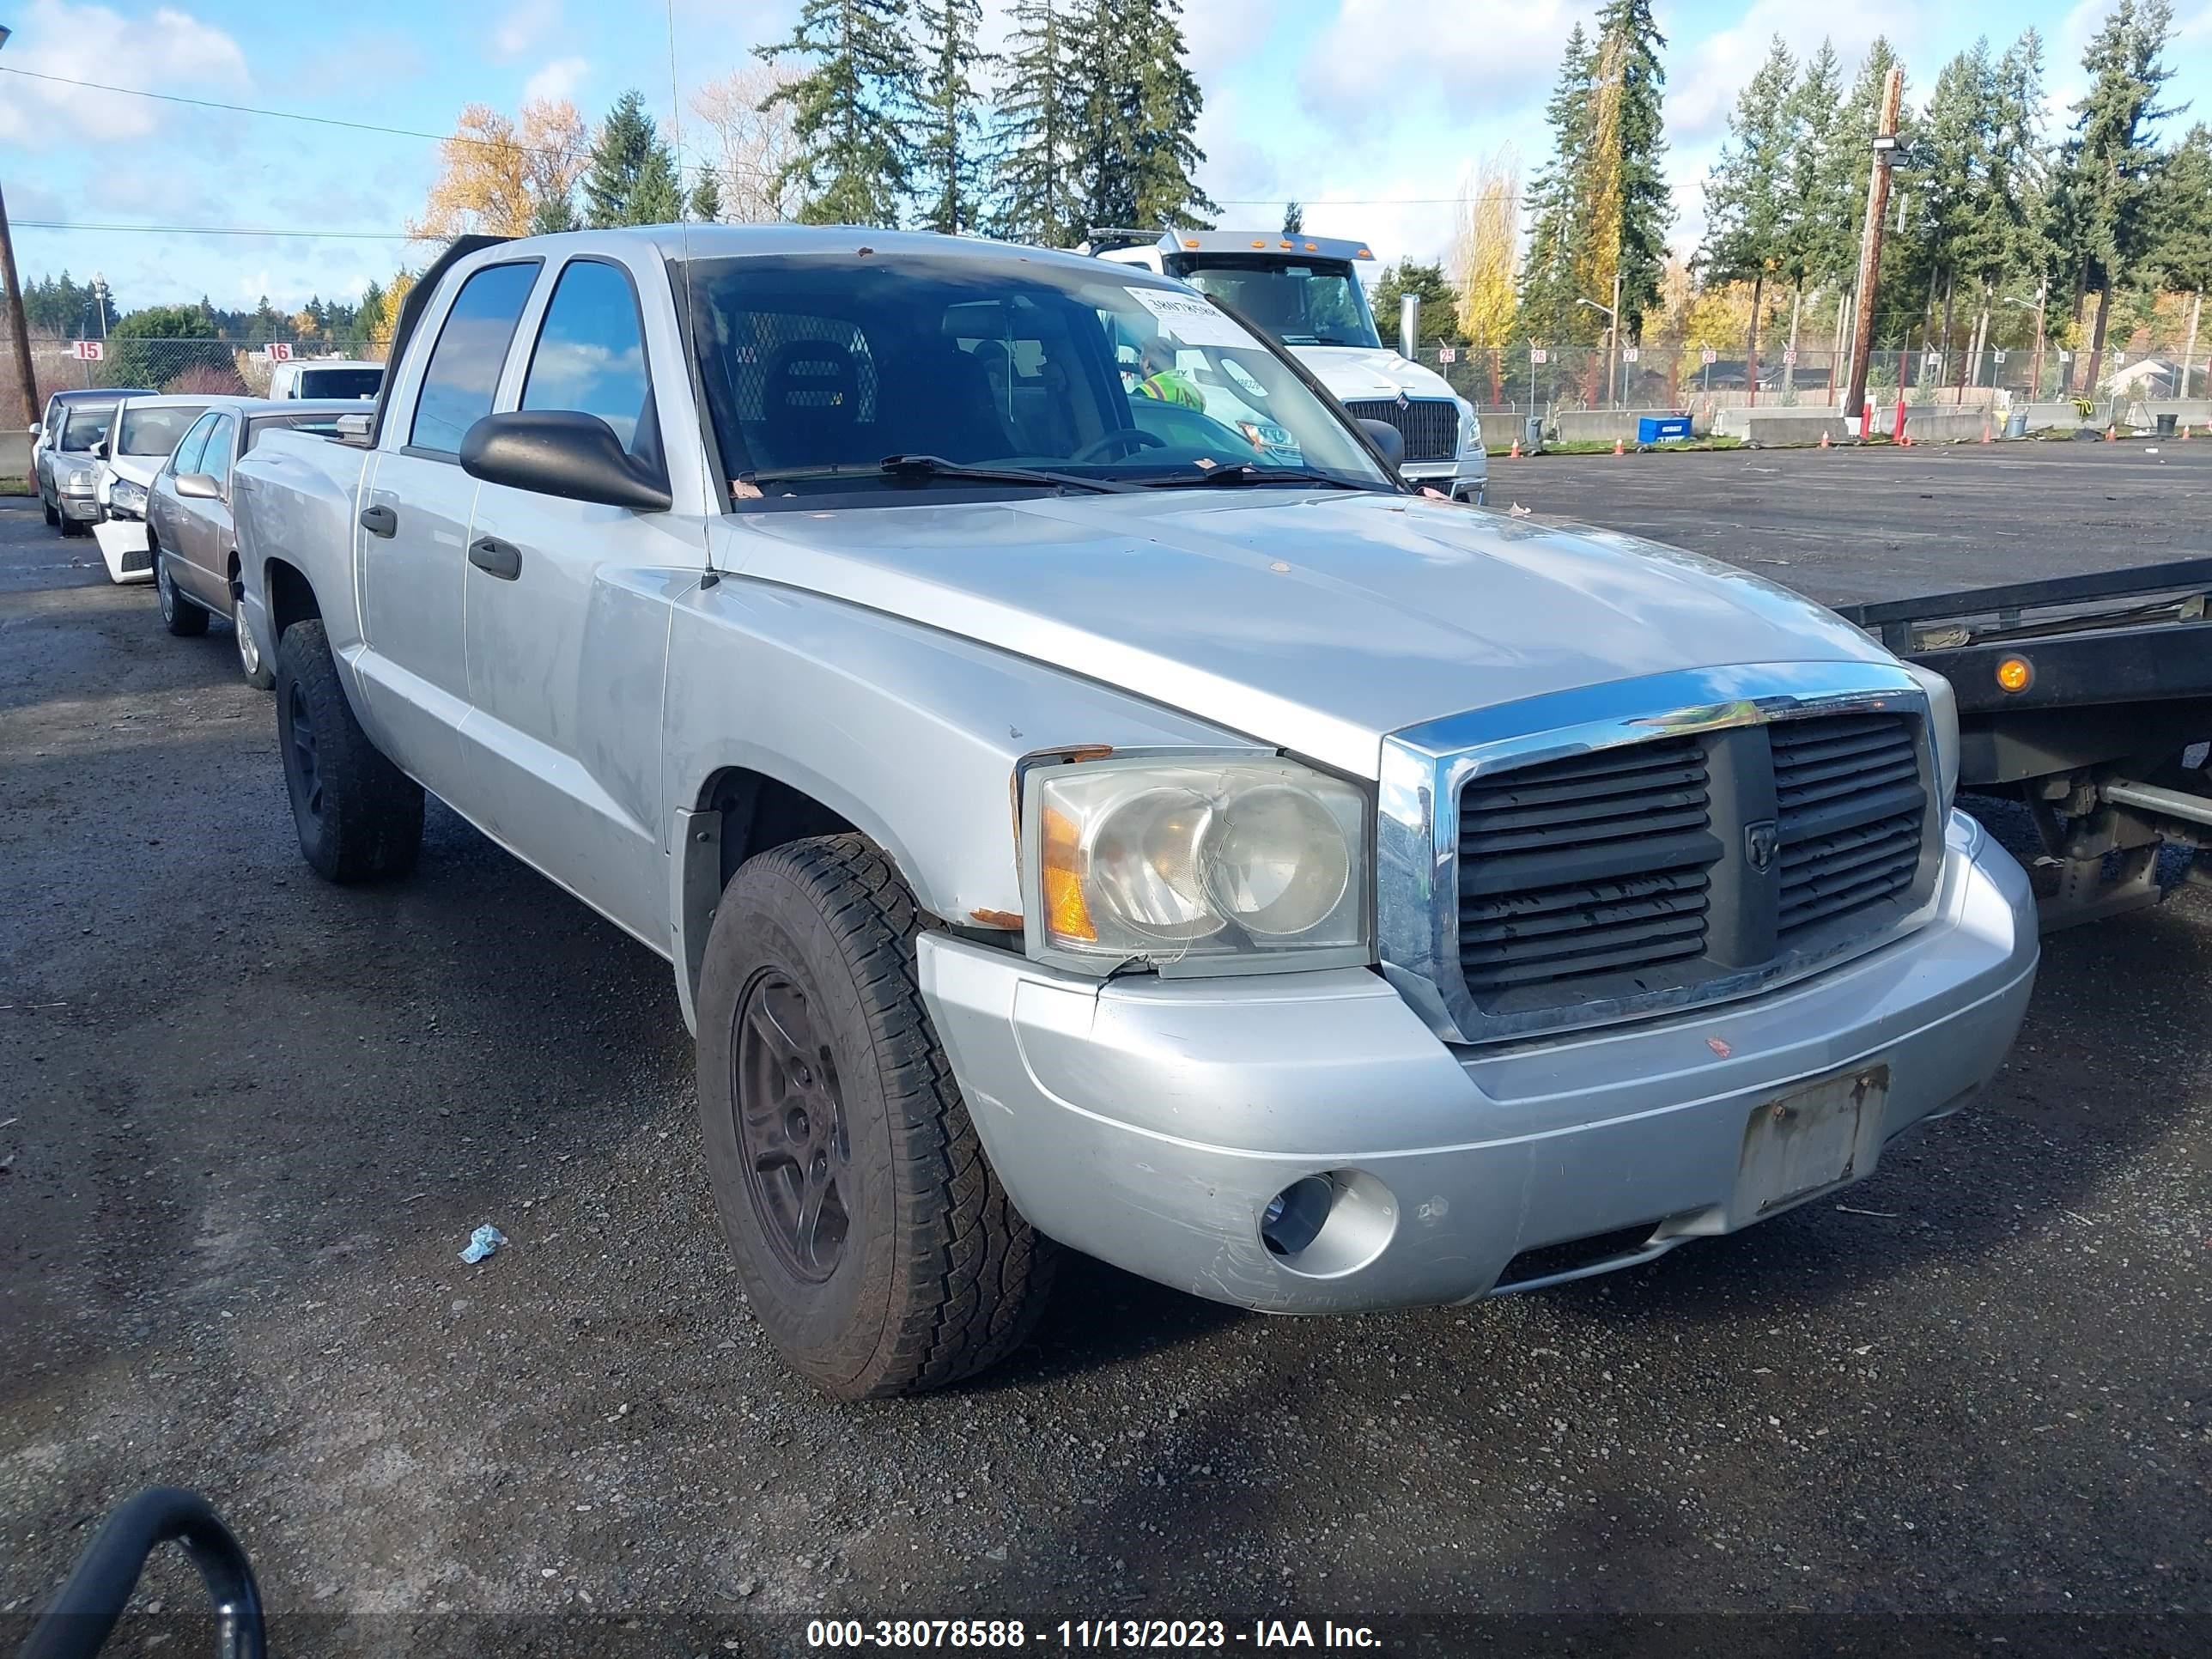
(78, 1624)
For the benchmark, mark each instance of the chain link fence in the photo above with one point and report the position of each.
(1542, 380)
(209, 366)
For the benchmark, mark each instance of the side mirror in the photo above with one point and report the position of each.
(99, 449)
(558, 452)
(199, 486)
(1388, 439)
(35, 430)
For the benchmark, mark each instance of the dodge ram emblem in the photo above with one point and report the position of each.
(1760, 840)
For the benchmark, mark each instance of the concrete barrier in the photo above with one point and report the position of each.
(2059, 417)
(1783, 425)
(15, 454)
(1931, 423)
(1602, 426)
(2186, 411)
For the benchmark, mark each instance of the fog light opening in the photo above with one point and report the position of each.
(1294, 1217)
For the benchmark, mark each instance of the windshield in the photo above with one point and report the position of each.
(87, 425)
(340, 382)
(1311, 302)
(156, 431)
(830, 363)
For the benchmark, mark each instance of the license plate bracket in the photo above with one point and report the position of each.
(1818, 1136)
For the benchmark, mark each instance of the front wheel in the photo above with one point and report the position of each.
(53, 517)
(875, 1247)
(178, 614)
(359, 817)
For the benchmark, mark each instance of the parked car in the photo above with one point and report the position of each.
(1304, 293)
(62, 458)
(190, 542)
(1398, 904)
(141, 435)
(351, 378)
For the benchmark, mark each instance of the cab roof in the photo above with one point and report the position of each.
(1230, 241)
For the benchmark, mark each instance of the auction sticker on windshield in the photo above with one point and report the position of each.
(1191, 320)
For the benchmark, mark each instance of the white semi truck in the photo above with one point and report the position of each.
(1306, 291)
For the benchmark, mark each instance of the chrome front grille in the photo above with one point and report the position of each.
(1430, 426)
(1584, 866)
(1633, 849)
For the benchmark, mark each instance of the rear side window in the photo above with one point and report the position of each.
(464, 372)
(590, 355)
(187, 458)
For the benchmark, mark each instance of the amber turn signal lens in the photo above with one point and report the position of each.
(2015, 674)
(1067, 915)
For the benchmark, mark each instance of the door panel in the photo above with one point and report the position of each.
(414, 672)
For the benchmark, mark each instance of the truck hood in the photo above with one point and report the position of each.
(1370, 372)
(1316, 621)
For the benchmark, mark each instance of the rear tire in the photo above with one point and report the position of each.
(178, 614)
(876, 1248)
(251, 663)
(359, 817)
(53, 517)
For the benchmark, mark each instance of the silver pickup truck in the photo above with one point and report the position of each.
(1074, 824)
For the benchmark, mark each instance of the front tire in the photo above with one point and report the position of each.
(178, 614)
(876, 1248)
(359, 817)
(53, 514)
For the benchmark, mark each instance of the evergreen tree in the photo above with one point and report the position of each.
(847, 111)
(656, 199)
(1635, 158)
(369, 315)
(1167, 102)
(1962, 231)
(2020, 171)
(2182, 217)
(552, 214)
(1439, 305)
(705, 203)
(1104, 46)
(627, 141)
(948, 160)
(1828, 180)
(1039, 198)
(1547, 312)
(1750, 211)
(1294, 218)
(2110, 163)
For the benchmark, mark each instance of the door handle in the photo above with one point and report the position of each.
(379, 520)
(496, 557)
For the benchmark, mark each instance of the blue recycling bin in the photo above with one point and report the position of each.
(1661, 429)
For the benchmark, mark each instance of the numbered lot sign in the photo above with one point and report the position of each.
(1631, 354)
(87, 351)
(278, 352)
(1709, 356)
(1790, 357)
(1538, 355)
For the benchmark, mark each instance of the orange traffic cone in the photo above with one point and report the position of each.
(2113, 433)
(2184, 435)
(1985, 428)
(1616, 447)
(1515, 455)
(1824, 438)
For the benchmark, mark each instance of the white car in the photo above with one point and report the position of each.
(1305, 292)
(351, 378)
(142, 434)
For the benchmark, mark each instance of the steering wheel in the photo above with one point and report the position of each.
(1128, 437)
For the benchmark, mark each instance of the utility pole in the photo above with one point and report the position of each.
(2035, 374)
(1885, 149)
(17, 326)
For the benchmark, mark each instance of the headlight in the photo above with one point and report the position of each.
(78, 481)
(1228, 864)
(1470, 429)
(1942, 728)
(124, 493)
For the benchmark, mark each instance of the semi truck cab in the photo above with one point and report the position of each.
(1306, 292)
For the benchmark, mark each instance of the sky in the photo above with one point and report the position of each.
(1373, 112)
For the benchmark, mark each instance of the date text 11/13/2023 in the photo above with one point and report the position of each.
(1083, 1633)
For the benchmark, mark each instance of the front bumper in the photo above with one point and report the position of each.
(85, 509)
(1464, 479)
(1150, 1122)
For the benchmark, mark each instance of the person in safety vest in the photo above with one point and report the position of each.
(1158, 377)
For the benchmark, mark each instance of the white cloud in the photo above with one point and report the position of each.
(1473, 55)
(170, 51)
(1706, 75)
(558, 79)
(523, 25)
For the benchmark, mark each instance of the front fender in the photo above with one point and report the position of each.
(910, 734)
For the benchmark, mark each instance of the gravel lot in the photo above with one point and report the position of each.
(250, 1119)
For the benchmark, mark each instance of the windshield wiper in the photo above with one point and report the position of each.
(1246, 472)
(936, 466)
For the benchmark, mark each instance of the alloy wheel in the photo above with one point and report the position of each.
(792, 1129)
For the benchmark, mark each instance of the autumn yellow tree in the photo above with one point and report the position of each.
(1486, 256)
(499, 176)
(1598, 259)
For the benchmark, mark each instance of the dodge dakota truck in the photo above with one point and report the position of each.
(1075, 824)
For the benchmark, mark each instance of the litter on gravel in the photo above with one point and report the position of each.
(481, 1243)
